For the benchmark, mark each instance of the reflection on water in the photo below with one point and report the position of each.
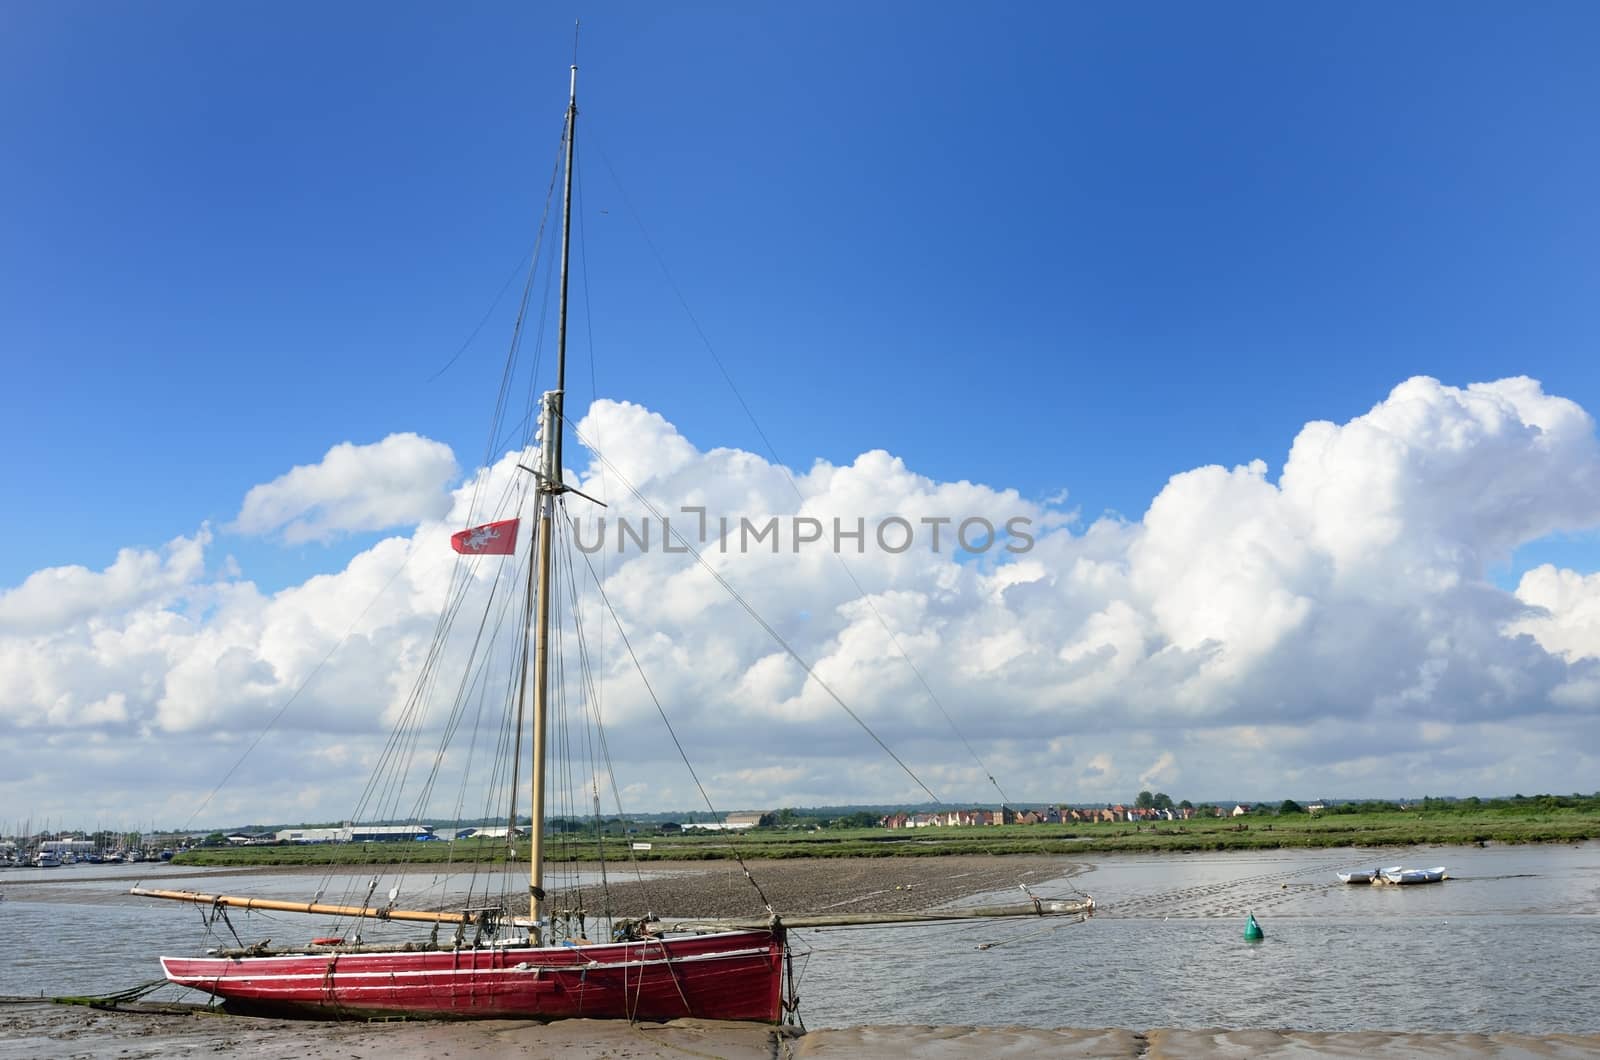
(1508, 943)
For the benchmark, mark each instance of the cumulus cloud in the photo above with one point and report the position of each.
(1566, 619)
(58, 596)
(1327, 631)
(399, 481)
(1438, 482)
(1350, 591)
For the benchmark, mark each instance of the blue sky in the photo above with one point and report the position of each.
(1074, 250)
(1053, 247)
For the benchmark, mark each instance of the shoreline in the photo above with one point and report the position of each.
(28, 1031)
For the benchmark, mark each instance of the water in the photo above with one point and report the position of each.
(1509, 943)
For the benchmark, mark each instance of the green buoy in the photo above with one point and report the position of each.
(1252, 930)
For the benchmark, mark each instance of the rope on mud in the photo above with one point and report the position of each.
(1218, 898)
(1031, 934)
(111, 1000)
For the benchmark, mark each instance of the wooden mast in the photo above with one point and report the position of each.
(550, 487)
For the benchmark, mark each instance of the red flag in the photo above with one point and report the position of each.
(491, 539)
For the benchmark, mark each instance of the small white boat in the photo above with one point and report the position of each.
(1359, 876)
(1399, 875)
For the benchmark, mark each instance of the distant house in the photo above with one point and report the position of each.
(1240, 810)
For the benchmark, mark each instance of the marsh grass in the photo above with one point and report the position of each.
(1529, 822)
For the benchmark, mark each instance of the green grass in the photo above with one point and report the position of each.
(1368, 829)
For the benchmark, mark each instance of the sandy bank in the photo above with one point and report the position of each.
(31, 1031)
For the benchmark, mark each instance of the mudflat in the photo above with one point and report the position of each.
(30, 1031)
(829, 885)
(679, 888)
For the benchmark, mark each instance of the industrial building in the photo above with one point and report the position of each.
(357, 833)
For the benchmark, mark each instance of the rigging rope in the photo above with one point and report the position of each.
(125, 996)
(727, 377)
(386, 784)
(623, 633)
(586, 669)
(750, 610)
(512, 275)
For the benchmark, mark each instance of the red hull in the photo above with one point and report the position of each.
(735, 975)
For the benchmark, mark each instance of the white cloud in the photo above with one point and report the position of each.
(59, 596)
(354, 488)
(1567, 620)
(1331, 632)
(1437, 482)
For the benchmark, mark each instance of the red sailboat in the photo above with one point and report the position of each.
(733, 975)
(513, 965)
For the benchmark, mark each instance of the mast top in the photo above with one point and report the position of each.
(566, 255)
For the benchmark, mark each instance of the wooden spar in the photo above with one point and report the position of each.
(234, 902)
(1031, 909)
(993, 912)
